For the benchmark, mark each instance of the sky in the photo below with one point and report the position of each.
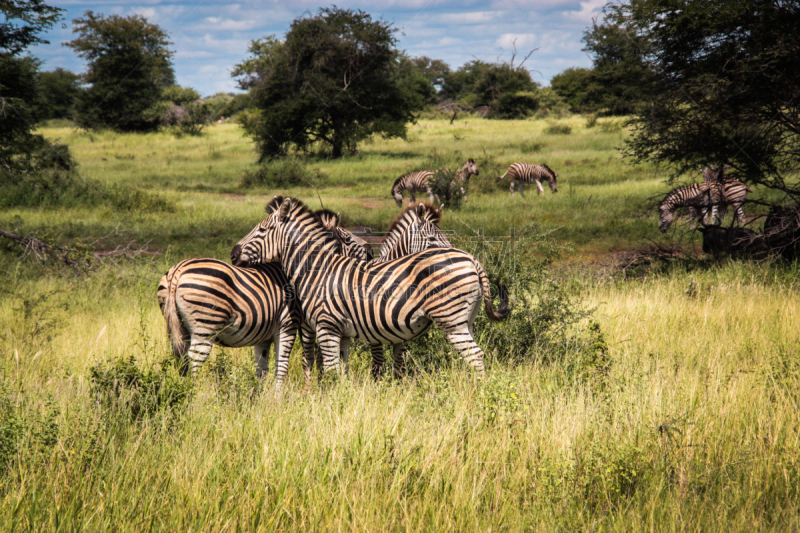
(209, 37)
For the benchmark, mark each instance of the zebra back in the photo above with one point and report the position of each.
(414, 230)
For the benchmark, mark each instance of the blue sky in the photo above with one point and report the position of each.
(210, 37)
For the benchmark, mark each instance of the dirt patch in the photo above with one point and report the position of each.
(372, 205)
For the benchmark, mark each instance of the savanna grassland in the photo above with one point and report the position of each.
(667, 399)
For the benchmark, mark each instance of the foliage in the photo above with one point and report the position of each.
(554, 128)
(726, 80)
(445, 183)
(280, 173)
(129, 69)
(24, 21)
(434, 71)
(508, 91)
(334, 80)
(123, 387)
(227, 105)
(57, 91)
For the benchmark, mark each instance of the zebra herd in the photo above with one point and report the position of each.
(298, 269)
(715, 194)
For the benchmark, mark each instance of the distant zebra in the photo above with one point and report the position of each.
(527, 173)
(380, 303)
(734, 192)
(698, 197)
(414, 230)
(419, 181)
(207, 302)
(353, 246)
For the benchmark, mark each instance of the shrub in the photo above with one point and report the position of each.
(448, 188)
(283, 172)
(558, 129)
(189, 118)
(591, 120)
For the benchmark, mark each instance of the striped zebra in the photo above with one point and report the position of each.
(734, 192)
(527, 173)
(698, 197)
(414, 230)
(380, 303)
(419, 181)
(207, 302)
(352, 245)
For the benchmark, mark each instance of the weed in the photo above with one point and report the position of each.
(530, 147)
(555, 128)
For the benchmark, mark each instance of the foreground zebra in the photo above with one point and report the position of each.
(526, 173)
(206, 301)
(380, 303)
(419, 181)
(414, 230)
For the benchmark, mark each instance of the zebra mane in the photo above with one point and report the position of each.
(327, 216)
(298, 208)
(432, 214)
(548, 169)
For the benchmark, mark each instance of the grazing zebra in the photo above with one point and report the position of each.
(414, 230)
(419, 181)
(526, 173)
(207, 302)
(380, 303)
(734, 192)
(352, 245)
(698, 197)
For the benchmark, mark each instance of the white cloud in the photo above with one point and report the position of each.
(588, 10)
(520, 40)
(474, 17)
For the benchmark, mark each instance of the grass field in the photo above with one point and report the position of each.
(686, 417)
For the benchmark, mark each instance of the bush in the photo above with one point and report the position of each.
(446, 186)
(558, 129)
(278, 173)
(188, 118)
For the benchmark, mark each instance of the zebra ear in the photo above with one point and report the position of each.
(420, 211)
(337, 219)
(283, 212)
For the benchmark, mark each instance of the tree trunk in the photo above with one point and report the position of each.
(338, 139)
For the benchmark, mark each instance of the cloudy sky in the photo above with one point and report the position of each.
(210, 37)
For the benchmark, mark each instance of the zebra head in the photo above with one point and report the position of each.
(665, 215)
(414, 230)
(551, 178)
(352, 246)
(397, 191)
(262, 244)
(469, 168)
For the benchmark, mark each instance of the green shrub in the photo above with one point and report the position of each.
(530, 147)
(122, 387)
(279, 173)
(558, 129)
(591, 120)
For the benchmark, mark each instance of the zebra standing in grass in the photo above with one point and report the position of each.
(207, 302)
(419, 181)
(698, 197)
(352, 245)
(734, 192)
(526, 173)
(380, 303)
(414, 230)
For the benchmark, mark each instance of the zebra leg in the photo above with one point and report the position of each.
(521, 191)
(329, 343)
(399, 360)
(715, 215)
(740, 214)
(411, 197)
(262, 357)
(199, 350)
(284, 340)
(377, 361)
(344, 353)
(539, 188)
(512, 188)
(307, 337)
(461, 339)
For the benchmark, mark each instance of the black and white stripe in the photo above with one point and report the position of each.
(207, 302)
(698, 197)
(352, 245)
(734, 192)
(419, 181)
(527, 173)
(379, 303)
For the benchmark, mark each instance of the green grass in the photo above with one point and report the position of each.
(693, 425)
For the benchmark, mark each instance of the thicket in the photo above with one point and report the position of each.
(283, 172)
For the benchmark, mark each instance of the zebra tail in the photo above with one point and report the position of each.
(503, 176)
(503, 311)
(175, 329)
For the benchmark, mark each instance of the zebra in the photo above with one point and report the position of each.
(698, 197)
(414, 230)
(414, 182)
(734, 192)
(207, 302)
(352, 245)
(527, 173)
(380, 303)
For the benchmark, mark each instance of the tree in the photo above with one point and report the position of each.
(129, 67)
(335, 80)
(57, 92)
(507, 90)
(727, 76)
(24, 21)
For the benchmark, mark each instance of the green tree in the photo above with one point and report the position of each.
(57, 92)
(727, 76)
(335, 79)
(24, 21)
(507, 90)
(129, 68)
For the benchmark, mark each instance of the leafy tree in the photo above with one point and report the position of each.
(129, 68)
(335, 79)
(507, 90)
(574, 85)
(24, 21)
(727, 76)
(57, 92)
